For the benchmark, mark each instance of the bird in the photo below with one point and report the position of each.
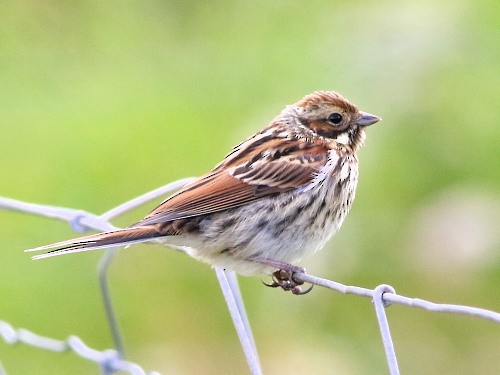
(276, 197)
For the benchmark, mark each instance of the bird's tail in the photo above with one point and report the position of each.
(120, 237)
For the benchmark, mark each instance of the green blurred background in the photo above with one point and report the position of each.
(102, 101)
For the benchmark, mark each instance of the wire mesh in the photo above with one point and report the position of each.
(111, 361)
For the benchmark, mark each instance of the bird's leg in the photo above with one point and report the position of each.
(283, 276)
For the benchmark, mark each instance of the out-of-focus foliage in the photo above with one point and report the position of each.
(102, 101)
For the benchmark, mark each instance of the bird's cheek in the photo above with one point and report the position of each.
(323, 128)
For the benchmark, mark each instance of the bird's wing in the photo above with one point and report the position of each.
(254, 170)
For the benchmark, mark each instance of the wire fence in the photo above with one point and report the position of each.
(109, 361)
(112, 361)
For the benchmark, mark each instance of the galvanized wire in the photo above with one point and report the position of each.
(109, 361)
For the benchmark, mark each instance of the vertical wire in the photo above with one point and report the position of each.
(245, 340)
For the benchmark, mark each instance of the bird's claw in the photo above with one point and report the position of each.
(284, 279)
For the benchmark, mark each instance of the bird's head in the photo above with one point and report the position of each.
(330, 115)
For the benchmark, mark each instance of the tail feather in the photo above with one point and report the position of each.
(99, 241)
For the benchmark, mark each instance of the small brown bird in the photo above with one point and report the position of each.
(276, 197)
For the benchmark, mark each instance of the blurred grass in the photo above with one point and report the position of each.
(104, 101)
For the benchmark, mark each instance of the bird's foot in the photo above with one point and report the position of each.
(285, 280)
(283, 276)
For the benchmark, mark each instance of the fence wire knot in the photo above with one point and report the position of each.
(77, 225)
(378, 294)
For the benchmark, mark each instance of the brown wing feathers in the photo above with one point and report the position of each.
(260, 169)
(215, 193)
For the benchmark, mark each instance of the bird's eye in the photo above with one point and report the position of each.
(335, 118)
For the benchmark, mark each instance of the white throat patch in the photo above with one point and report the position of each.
(343, 138)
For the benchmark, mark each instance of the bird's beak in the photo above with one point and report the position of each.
(367, 119)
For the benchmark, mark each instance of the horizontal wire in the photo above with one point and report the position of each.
(108, 359)
(390, 297)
